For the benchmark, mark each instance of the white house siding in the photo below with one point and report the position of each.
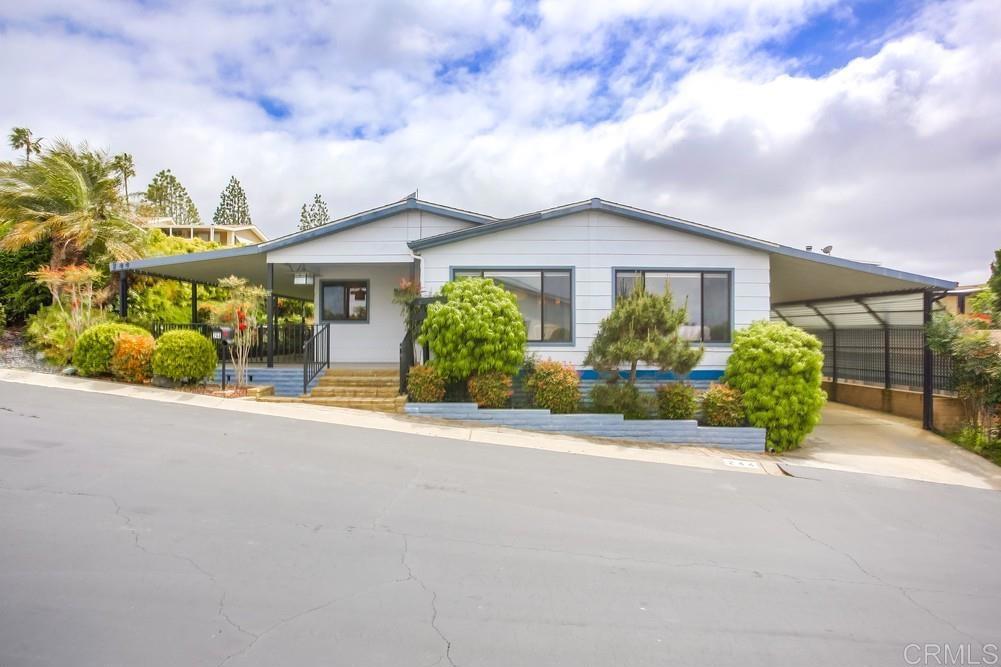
(380, 241)
(377, 252)
(594, 243)
(375, 341)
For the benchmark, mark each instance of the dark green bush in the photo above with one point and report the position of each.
(554, 386)
(96, 346)
(777, 367)
(490, 390)
(676, 401)
(723, 405)
(21, 295)
(425, 384)
(185, 356)
(620, 398)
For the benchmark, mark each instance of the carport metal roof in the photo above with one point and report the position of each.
(897, 309)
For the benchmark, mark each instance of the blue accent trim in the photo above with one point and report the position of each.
(591, 374)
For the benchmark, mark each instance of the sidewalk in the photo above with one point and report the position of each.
(695, 457)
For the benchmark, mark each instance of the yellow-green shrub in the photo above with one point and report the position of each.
(96, 345)
(184, 355)
(554, 386)
(425, 384)
(490, 390)
(778, 368)
(132, 359)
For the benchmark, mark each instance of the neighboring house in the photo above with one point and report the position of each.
(227, 235)
(957, 300)
(566, 265)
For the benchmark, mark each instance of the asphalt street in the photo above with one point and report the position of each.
(144, 533)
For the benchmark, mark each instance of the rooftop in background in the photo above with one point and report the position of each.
(226, 235)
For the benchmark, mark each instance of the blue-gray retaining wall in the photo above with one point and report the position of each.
(665, 431)
(286, 380)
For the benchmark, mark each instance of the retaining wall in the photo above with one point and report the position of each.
(664, 431)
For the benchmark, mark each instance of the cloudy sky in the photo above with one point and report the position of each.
(873, 126)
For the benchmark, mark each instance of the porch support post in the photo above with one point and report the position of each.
(269, 286)
(927, 400)
(194, 303)
(123, 294)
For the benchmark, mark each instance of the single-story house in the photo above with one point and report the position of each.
(567, 265)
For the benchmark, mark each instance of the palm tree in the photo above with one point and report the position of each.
(70, 197)
(126, 167)
(20, 137)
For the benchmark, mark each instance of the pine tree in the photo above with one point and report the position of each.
(315, 215)
(233, 208)
(167, 197)
(643, 327)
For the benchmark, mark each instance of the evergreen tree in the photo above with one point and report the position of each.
(643, 327)
(167, 197)
(232, 209)
(315, 215)
(994, 284)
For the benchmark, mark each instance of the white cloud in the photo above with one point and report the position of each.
(676, 106)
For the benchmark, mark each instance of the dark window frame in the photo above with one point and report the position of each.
(347, 283)
(542, 313)
(702, 294)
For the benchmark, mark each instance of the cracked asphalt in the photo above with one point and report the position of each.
(144, 533)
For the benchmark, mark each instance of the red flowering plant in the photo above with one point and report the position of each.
(240, 311)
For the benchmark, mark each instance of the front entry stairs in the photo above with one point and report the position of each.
(360, 388)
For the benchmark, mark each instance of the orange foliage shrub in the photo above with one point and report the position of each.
(132, 359)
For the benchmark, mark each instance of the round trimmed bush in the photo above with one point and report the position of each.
(622, 398)
(184, 355)
(477, 329)
(490, 390)
(95, 346)
(778, 369)
(554, 386)
(132, 360)
(723, 405)
(425, 384)
(676, 401)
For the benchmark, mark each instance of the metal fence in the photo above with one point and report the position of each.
(883, 356)
(289, 339)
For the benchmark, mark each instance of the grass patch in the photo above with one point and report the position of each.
(977, 442)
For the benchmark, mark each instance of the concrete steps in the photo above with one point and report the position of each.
(351, 391)
(376, 404)
(358, 388)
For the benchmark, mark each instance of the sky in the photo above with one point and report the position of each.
(871, 126)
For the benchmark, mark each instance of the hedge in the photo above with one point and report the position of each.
(95, 346)
(184, 355)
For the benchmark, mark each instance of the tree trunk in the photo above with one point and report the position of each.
(632, 372)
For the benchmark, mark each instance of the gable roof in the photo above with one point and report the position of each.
(677, 224)
(295, 238)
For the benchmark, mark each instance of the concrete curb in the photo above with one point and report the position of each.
(694, 457)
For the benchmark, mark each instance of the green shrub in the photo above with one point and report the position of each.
(723, 405)
(477, 329)
(22, 296)
(184, 355)
(95, 347)
(425, 384)
(490, 390)
(132, 360)
(622, 398)
(777, 367)
(3, 318)
(676, 401)
(50, 333)
(554, 386)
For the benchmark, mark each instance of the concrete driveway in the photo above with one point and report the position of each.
(863, 441)
(146, 533)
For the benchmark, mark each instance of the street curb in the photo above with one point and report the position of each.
(693, 457)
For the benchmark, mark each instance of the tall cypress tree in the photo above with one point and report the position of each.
(233, 208)
(167, 197)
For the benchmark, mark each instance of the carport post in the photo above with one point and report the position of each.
(269, 288)
(123, 294)
(194, 303)
(927, 400)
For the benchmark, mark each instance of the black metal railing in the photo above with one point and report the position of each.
(887, 357)
(406, 360)
(289, 339)
(315, 355)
